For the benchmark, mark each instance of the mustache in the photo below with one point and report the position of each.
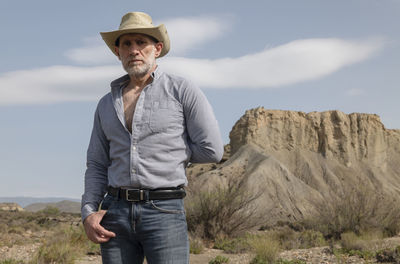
(132, 58)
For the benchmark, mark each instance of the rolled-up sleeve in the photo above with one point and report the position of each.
(98, 161)
(204, 137)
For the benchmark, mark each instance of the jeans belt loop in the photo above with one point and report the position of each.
(118, 194)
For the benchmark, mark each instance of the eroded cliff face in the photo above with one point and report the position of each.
(12, 207)
(298, 160)
(333, 134)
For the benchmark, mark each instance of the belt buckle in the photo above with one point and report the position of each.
(134, 200)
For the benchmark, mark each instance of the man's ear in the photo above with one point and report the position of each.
(117, 52)
(159, 46)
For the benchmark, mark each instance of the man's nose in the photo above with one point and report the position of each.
(134, 49)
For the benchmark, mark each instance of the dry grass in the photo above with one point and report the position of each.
(290, 238)
(196, 245)
(65, 246)
(266, 249)
(225, 211)
(233, 245)
(350, 241)
(358, 210)
(62, 240)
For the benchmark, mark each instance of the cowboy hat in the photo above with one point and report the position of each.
(137, 22)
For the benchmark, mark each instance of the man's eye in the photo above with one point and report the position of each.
(126, 43)
(140, 42)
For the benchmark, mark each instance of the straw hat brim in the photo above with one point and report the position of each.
(159, 33)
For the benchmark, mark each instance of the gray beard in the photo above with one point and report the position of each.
(138, 72)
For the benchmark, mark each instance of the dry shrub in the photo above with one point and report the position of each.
(50, 211)
(388, 255)
(357, 210)
(311, 238)
(233, 245)
(350, 241)
(65, 246)
(287, 237)
(291, 239)
(266, 249)
(226, 210)
(196, 245)
(55, 251)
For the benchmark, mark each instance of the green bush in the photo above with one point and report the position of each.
(16, 230)
(232, 245)
(388, 255)
(295, 261)
(364, 254)
(219, 260)
(259, 260)
(50, 211)
(11, 261)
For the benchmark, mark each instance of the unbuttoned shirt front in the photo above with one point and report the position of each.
(173, 124)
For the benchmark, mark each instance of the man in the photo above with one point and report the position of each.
(145, 132)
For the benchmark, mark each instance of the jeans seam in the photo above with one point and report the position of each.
(165, 210)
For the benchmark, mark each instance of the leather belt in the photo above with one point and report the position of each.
(137, 195)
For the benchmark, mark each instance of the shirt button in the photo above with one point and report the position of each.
(134, 148)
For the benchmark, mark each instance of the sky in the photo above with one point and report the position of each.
(305, 55)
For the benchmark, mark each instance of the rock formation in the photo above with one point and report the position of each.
(11, 207)
(297, 159)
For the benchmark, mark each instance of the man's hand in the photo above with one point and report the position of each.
(94, 231)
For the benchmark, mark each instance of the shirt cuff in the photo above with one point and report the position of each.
(87, 210)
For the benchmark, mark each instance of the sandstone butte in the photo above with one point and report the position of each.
(13, 207)
(299, 159)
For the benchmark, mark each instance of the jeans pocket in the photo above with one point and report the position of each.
(172, 206)
(107, 203)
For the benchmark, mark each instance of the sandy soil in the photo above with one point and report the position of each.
(319, 255)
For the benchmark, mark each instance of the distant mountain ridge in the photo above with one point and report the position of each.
(63, 206)
(25, 201)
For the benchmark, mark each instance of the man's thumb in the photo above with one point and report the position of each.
(102, 212)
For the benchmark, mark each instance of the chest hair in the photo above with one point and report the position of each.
(130, 98)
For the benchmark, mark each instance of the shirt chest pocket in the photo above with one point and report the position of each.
(165, 115)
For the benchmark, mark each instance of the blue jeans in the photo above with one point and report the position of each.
(154, 229)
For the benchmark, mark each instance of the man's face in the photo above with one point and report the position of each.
(138, 53)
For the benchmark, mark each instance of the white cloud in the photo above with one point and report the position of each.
(92, 55)
(55, 84)
(192, 32)
(297, 61)
(185, 33)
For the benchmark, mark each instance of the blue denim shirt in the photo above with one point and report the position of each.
(173, 124)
